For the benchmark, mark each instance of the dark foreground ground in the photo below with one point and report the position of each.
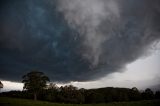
(4, 101)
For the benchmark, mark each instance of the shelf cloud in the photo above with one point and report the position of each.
(75, 40)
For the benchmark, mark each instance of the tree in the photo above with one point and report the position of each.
(1, 85)
(52, 86)
(157, 95)
(34, 81)
(148, 94)
(134, 94)
(51, 92)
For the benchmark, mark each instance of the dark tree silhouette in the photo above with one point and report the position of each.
(34, 82)
(157, 95)
(52, 86)
(148, 94)
(70, 94)
(135, 94)
(1, 85)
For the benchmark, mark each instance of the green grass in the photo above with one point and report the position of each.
(4, 101)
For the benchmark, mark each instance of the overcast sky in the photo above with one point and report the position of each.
(89, 43)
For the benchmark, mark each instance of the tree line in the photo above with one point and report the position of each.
(70, 94)
(35, 87)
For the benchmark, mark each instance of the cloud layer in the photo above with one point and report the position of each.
(75, 40)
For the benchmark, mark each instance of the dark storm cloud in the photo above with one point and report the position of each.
(74, 40)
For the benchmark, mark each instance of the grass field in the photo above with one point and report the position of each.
(4, 101)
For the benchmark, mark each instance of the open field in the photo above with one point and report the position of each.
(4, 101)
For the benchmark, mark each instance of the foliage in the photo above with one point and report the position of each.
(1, 85)
(34, 82)
(148, 94)
(70, 94)
(157, 95)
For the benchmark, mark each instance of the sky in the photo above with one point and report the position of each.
(89, 43)
(143, 73)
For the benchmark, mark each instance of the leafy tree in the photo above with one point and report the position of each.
(157, 95)
(34, 81)
(51, 92)
(135, 89)
(52, 86)
(148, 94)
(134, 94)
(1, 85)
